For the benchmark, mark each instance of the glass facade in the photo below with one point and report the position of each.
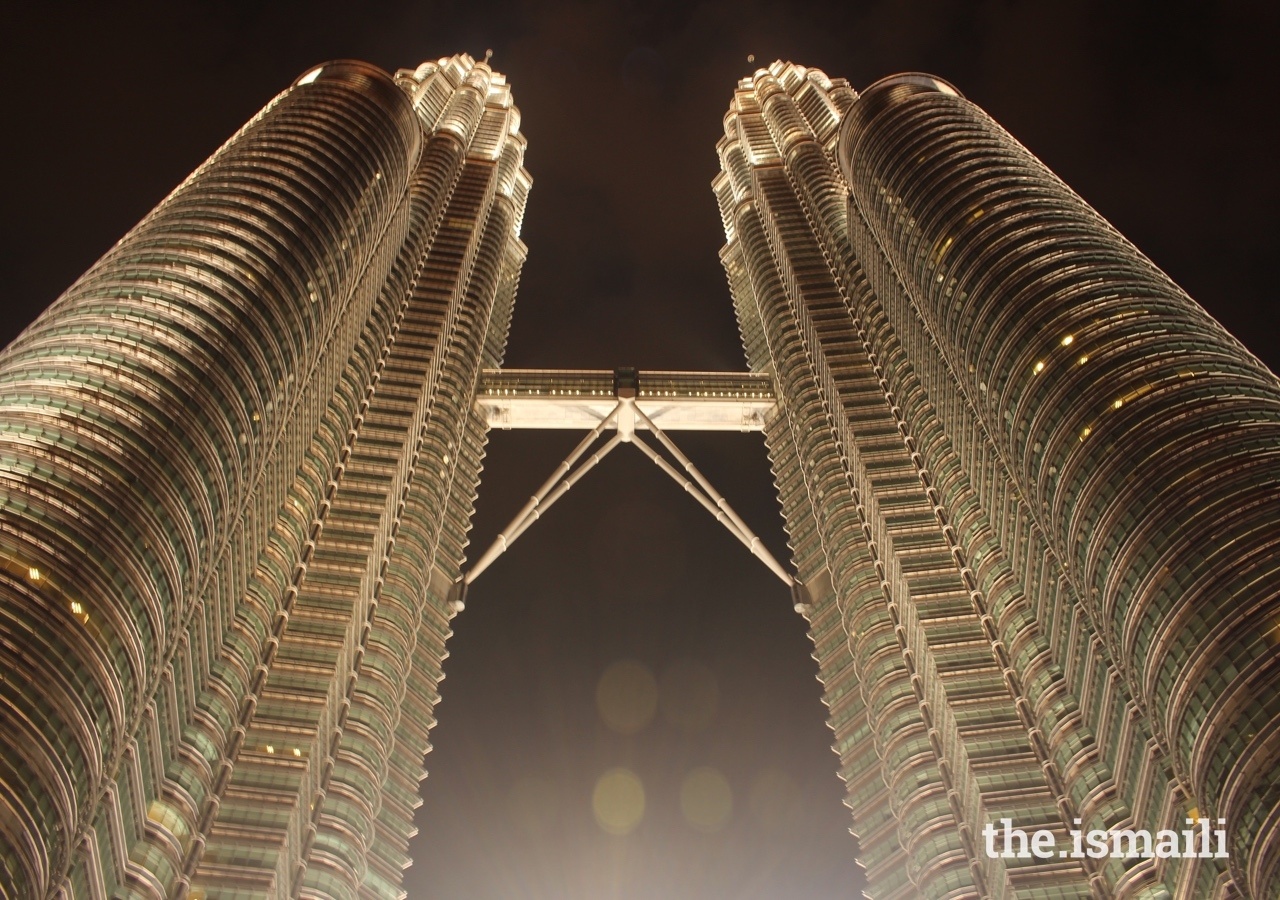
(237, 464)
(1030, 484)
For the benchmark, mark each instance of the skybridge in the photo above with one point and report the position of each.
(627, 402)
(580, 399)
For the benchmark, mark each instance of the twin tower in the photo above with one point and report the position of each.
(1032, 492)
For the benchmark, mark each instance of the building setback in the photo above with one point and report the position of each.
(1031, 487)
(245, 431)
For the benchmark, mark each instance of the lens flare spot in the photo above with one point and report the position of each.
(627, 696)
(618, 801)
(706, 800)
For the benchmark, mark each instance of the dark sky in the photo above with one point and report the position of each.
(1163, 115)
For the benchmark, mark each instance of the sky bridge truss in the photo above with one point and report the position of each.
(626, 401)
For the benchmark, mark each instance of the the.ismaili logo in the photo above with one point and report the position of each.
(1198, 841)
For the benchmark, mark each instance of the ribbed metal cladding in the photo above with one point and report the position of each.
(1111, 425)
(837, 456)
(1030, 485)
(237, 466)
(145, 420)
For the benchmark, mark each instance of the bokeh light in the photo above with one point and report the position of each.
(618, 801)
(689, 696)
(706, 799)
(627, 696)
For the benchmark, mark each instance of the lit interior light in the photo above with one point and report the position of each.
(270, 749)
(941, 251)
(1083, 360)
(1066, 341)
(1039, 367)
(446, 459)
(1084, 434)
(311, 76)
(77, 607)
(34, 573)
(297, 752)
(1118, 404)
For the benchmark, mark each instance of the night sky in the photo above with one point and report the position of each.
(1162, 115)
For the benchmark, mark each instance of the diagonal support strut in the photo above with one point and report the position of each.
(538, 503)
(577, 403)
(709, 497)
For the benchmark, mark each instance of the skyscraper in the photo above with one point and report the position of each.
(1031, 487)
(245, 431)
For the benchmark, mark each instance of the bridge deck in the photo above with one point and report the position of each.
(580, 399)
